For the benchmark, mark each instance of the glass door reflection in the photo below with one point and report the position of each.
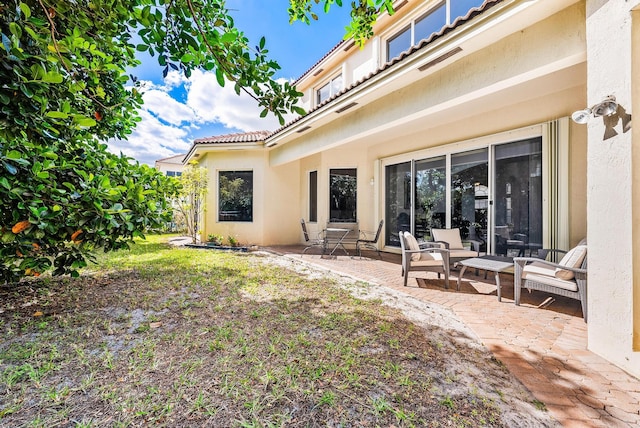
(397, 201)
(430, 196)
(469, 194)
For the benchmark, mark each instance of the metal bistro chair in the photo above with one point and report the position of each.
(371, 244)
(319, 241)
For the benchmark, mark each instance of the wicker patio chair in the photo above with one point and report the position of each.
(419, 258)
(566, 278)
(452, 241)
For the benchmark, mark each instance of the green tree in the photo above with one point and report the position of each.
(191, 197)
(64, 91)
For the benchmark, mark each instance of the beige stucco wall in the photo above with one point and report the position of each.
(610, 187)
(275, 198)
(173, 164)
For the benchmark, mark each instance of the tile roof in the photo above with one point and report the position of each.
(240, 137)
(177, 158)
(333, 49)
(488, 4)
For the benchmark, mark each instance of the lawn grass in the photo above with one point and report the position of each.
(164, 336)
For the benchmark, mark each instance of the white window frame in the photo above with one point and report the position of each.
(417, 15)
(329, 83)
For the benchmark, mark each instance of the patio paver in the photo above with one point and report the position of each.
(545, 348)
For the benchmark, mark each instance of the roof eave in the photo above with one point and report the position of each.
(197, 149)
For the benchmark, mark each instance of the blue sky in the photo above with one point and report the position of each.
(178, 110)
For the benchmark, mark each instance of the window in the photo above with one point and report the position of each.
(235, 196)
(313, 196)
(469, 181)
(342, 195)
(173, 173)
(399, 43)
(429, 23)
(458, 8)
(330, 89)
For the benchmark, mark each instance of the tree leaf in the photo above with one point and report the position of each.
(7, 43)
(14, 155)
(220, 76)
(57, 115)
(25, 10)
(10, 168)
(84, 121)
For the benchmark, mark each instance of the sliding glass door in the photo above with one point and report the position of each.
(518, 197)
(430, 196)
(469, 193)
(493, 194)
(398, 202)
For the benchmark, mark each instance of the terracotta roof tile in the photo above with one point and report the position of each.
(333, 49)
(240, 137)
(177, 158)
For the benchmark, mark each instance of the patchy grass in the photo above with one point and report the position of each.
(187, 337)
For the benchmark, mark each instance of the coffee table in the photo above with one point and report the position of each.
(495, 264)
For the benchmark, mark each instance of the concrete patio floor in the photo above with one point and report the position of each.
(544, 347)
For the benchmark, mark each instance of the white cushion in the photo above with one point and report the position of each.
(451, 236)
(457, 254)
(435, 261)
(550, 280)
(417, 259)
(539, 269)
(572, 259)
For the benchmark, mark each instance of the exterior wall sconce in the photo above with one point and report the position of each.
(611, 113)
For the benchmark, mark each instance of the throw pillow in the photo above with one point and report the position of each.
(572, 259)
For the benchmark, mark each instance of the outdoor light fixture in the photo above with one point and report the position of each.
(611, 113)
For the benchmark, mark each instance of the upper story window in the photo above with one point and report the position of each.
(173, 173)
(331, 88)
(443, 13)
(458, 8)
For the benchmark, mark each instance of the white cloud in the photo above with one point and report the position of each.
(212, 103)
(152, 140)
(167, 123)
(167, 108)
(175, 79)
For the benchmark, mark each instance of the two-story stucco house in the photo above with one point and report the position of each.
(458, 114)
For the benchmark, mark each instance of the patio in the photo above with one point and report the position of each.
(544, 347)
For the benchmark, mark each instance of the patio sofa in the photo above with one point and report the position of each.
(566, 278)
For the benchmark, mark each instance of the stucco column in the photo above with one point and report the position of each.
(611, 187)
